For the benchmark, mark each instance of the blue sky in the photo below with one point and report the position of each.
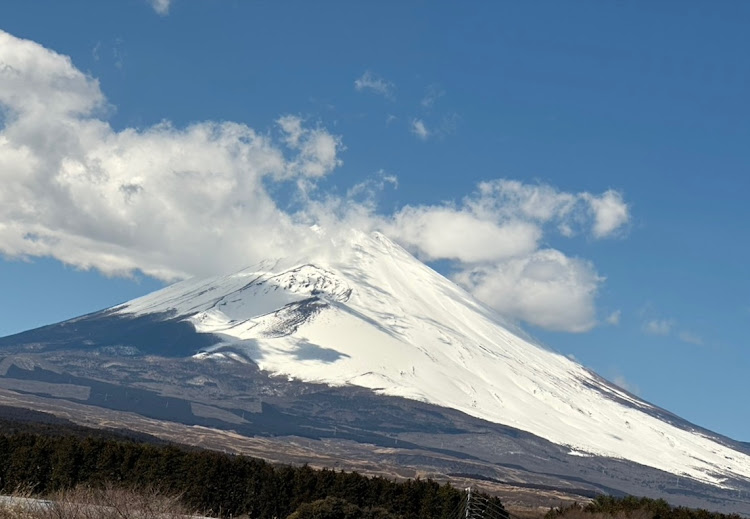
(581, 166)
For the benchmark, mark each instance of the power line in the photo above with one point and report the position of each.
(478, 506)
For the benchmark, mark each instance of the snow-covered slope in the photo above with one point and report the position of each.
(378, 318)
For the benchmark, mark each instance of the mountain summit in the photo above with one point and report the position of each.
(378, 318)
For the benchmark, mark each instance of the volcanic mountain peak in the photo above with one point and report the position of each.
(371, 315)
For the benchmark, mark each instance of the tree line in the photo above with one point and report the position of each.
(215, 483)
(632, 507)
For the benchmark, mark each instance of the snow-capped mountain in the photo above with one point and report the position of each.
(361, 357)
(373, 316)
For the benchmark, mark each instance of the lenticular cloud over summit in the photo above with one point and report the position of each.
(156, 199)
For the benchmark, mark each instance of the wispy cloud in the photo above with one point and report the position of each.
(118, 53)
(658, 326)
(419, 129)
(114, 50)
(670, 327)
(368, 191)
(161, 6)
(571, 213)
(614, 318)
(610, 213)
(434, 92)
(690, 338)
(154, 199)
(448, 125)
(622, 382)
(375, 84)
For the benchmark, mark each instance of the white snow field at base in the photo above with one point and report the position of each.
(378, 318)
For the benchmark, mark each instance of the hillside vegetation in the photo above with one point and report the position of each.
(607, 507)
(212, 482)
(90, 474)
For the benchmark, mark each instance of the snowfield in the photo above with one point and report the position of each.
(376, 317)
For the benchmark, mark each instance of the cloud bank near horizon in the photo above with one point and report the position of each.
(156, 199)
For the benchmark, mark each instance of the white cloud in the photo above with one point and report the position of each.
(374, 83)
(494, 236)
(369, 189)
(38, 83)
(614, 318)
(157, 198)
(152, 199)
(659, 326)
(571, 212)
(610, 213)
(317, 149)
(436, 232)
(690, 338)
(623, 383)
(545, 288)
(419, 129)
(438, 129)
(665, 327)
(160, 6)
(537, 202)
